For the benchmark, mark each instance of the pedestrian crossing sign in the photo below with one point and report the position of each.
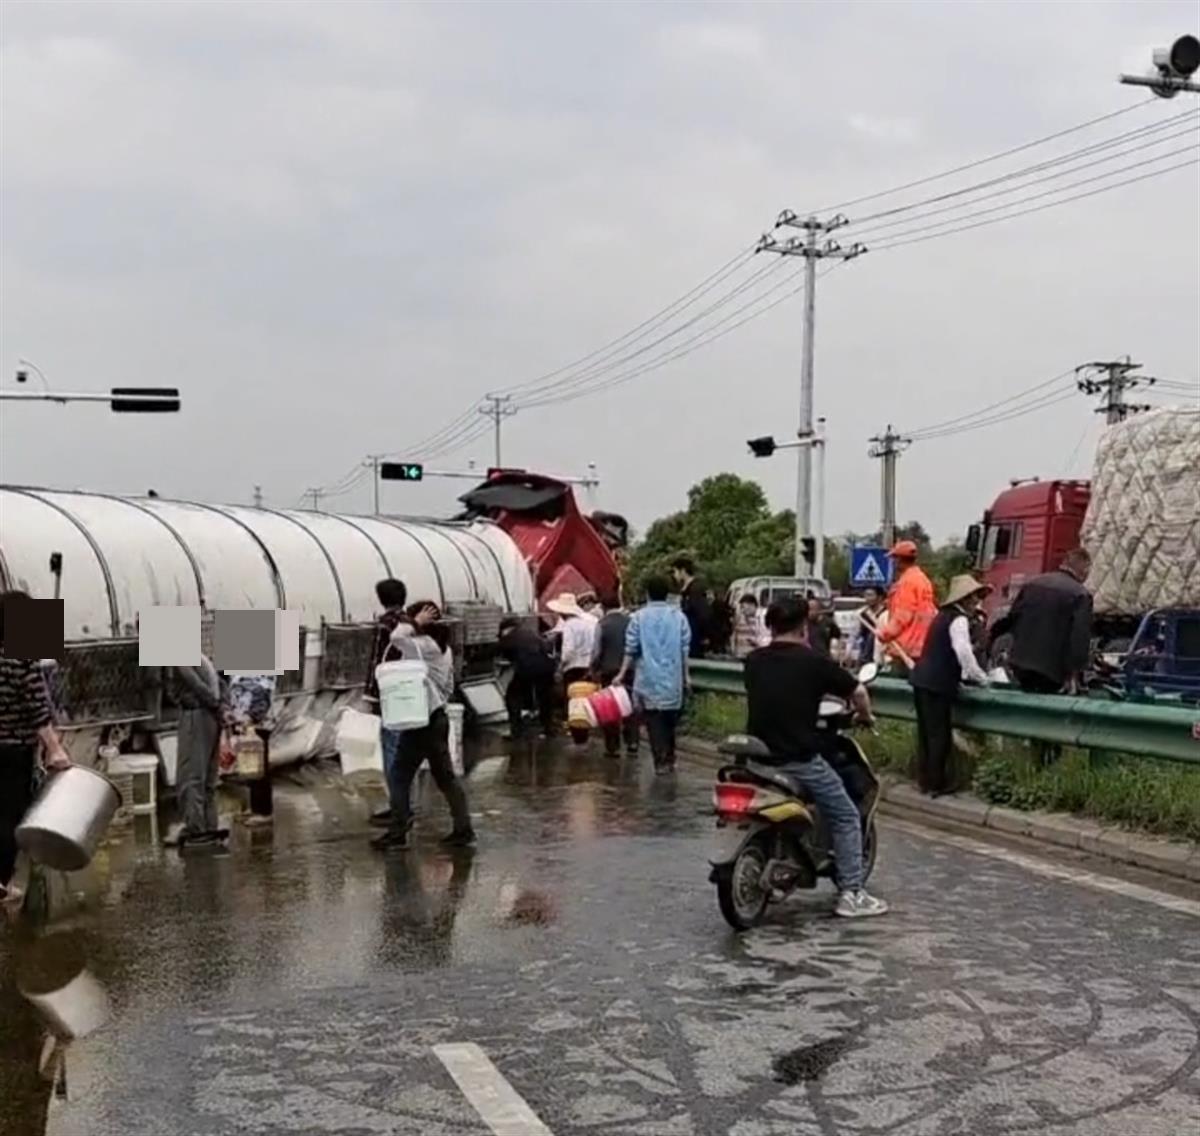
(869, 567)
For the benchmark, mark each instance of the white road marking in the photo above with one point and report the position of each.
(1040, 867)
(496, 1101)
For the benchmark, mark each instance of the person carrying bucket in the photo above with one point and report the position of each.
(421, 639)
(607, 657)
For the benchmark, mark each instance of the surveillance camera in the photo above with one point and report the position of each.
(22, 376)
(1184, 56)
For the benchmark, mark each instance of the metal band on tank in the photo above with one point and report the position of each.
(280, 590)
(109, 587)
(172, 530)
(495, 560)
(437, 572)
(362, 532)
(337, 580)
(461, 555)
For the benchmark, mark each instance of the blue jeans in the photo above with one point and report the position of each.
(389, 742)
(840, 814)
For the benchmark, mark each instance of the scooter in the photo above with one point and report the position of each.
(773, 839)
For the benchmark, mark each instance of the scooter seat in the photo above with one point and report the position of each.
(772, 775)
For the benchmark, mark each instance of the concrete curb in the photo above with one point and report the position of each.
(1177, 858)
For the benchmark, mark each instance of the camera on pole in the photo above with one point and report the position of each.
(1175, 66)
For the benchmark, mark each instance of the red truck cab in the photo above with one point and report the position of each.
(1028, 530)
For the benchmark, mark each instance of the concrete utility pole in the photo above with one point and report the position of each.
(888, 446)
(258, 497)
(316, 495)
(1113, 386)
(497, 410)
(811, 251)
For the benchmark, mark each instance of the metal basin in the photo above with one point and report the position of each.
(53, 976)
(64, 825)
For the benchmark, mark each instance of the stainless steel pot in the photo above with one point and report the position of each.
(51, 974)
(64, 825)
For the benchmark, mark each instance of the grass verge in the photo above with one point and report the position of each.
(1122, 789)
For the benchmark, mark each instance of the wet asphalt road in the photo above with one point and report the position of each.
(300, 984)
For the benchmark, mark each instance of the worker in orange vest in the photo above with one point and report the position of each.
(911, 608)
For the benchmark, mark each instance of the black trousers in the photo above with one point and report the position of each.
(627, 730)
(16, 795)
(935, 742)
(660, 730)
(530, 692)
(430, 743)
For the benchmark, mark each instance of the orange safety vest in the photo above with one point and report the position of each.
(911, 609)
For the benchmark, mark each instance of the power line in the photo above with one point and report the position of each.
(1036, 209)
(1069, 156)
(990, 158)
(1022, 394)
(1045, 193)
(1043, 403)
(695, 343)
(1067, 172)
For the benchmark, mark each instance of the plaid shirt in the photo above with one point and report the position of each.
(384, 626)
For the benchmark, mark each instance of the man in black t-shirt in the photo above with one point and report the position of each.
(785, 683)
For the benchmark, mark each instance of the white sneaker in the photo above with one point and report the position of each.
(859, 905)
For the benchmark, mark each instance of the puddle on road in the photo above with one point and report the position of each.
(812, 1062)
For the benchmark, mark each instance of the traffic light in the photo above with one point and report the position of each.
(762, 447)
(144, 400)
(1176, 65)
(402, 471)
(808, 547)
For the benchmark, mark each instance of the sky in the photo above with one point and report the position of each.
(335, 227)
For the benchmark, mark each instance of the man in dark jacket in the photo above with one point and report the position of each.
(607, 657)
(1051, 626)
(532, 682)
(694, 604)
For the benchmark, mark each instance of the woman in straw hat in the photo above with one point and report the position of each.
(946, 660)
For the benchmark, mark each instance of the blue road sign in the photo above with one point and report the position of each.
(869, 567)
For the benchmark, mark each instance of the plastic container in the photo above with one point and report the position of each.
(454, 713)
(357, 740)
(141, 769)
(403, 694)
(611, 706)
(579, 710)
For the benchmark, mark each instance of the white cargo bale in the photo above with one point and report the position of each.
(1143, 521)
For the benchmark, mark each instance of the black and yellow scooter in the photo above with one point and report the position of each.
(773, 839)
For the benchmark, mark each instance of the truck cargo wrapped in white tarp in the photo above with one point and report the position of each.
(1143, 521)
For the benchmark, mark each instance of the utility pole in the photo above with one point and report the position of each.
(888, 446)
(258, 497)
(811, 251)
(1113, 386)
(316, 495)
(497, 410)
(372, 463)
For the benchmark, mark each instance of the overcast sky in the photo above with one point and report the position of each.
(336, 226)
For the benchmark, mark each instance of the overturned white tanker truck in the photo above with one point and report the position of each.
(109, 557)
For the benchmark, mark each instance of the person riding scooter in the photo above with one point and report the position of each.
(785, 683)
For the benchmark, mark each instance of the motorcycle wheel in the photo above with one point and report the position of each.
(740, 892)
(870, 846)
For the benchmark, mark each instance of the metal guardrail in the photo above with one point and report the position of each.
(1170, 733)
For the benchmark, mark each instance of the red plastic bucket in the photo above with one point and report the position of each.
(610, 706)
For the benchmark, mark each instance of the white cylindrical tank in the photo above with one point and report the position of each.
(121, 554)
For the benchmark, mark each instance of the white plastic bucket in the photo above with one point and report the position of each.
(403, 694)
(357, 740)
(454, 713)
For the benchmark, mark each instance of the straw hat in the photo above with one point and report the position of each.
(566, 604)
(962, 588)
